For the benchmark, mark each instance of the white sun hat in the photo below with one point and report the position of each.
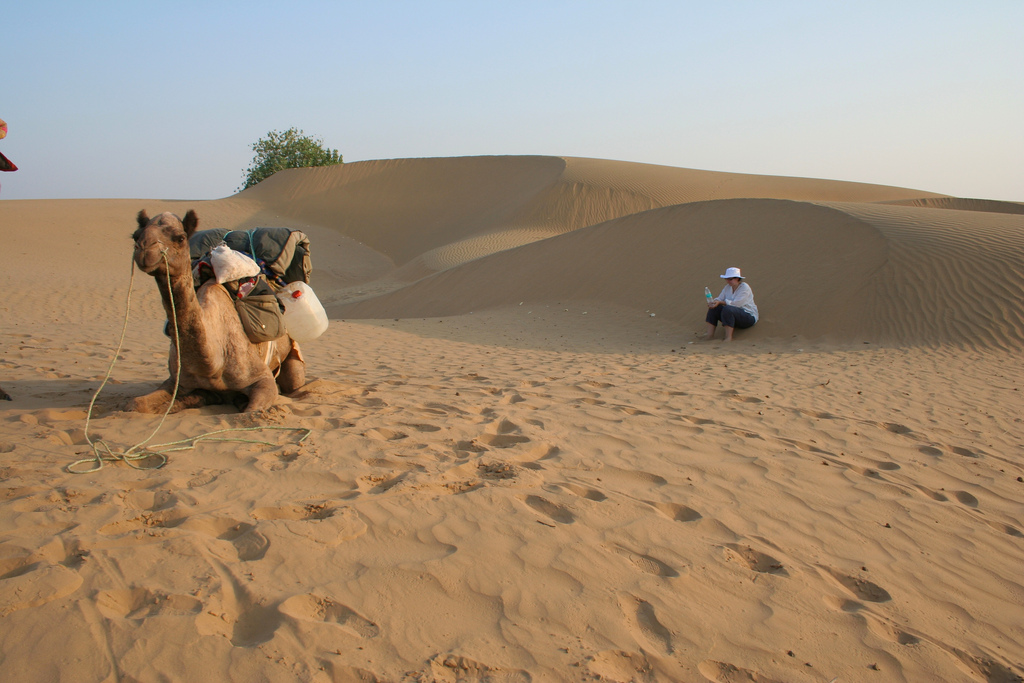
(731, 272)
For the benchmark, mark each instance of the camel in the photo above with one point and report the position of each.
(217, 359)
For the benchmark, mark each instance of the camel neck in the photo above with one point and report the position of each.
(186, 304)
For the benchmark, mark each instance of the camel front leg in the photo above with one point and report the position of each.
(155, 401)
(262, 393)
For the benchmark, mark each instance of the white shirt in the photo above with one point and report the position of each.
(743, 298)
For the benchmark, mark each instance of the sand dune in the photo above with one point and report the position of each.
(513, 461)
(987, 205)
(480, 233)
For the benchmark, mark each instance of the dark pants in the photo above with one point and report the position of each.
(730, 316)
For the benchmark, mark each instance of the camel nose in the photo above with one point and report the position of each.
(139, 246)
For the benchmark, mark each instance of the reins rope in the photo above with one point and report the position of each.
(136, 453)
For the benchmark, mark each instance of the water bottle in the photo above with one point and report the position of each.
(707, 295)
(304, 315)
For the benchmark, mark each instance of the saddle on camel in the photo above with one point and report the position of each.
(221, 359)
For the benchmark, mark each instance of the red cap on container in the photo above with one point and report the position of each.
(297, 293)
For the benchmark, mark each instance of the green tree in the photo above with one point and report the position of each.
(290, 149)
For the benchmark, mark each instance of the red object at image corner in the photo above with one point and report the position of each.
(5, 163)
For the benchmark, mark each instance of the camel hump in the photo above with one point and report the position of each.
(191, 222)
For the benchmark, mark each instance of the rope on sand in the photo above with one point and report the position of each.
(102, 452)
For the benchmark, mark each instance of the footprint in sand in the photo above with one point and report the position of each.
(153, 501)
(858, 587)
(644, 478)
(723, 672)
(966, 498)
(675, 511)
(316, 521)
(384, 434)
(894, 427)
(203, 478)
(457, 668)
(630, 410)
(533, 457)
(803, 446)
(249, 543)
(141, 603)
(842, 604)
(474, 377)
(885, 465)
(376, 483)
(646, 563)
(863, 471)
(502, 434)
(496, 471)
(296, 511)
(619, 665)
(25, 584)
(59, 498)
(50, 415)
(584, 492)
(276, 461)
(236, 614)
(469, 447)
(754, 560)
(883, 628)
(64, 438)
(420, 427)
(934, 495)
(322, 424)
(321, 609)
(985, 668)
(644, 623)
(1005, 528)
(551, 510)
(162, 519)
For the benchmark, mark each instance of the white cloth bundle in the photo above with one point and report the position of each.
(229, 265)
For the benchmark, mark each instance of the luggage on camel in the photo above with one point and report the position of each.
(282, 253)
(304, 315)
(230, 265)
(266, 272)
(258, 309)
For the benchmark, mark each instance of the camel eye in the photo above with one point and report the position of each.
(179, 238)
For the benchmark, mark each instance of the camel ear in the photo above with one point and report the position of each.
(143, 218)
(190, 223)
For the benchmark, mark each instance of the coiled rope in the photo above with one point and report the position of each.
(102, 452)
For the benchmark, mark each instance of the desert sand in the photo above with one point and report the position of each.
(514, 460)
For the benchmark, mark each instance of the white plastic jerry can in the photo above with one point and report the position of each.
(304, 315)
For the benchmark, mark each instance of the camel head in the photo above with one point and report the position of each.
(165, 232)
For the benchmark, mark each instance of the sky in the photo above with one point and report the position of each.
(164, 100)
